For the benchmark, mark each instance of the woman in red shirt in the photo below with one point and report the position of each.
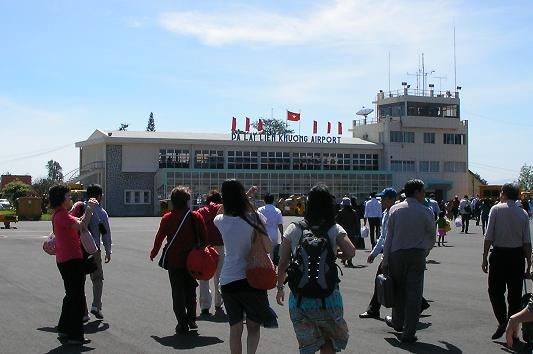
(69, 258)
(192, 232)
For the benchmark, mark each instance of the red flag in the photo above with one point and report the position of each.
(293, 117)
(315, 127)
(234, 124)
(260, 125)
(329, 127)
(247, 124)
(339, 128)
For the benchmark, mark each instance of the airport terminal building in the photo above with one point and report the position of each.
(137, 169)
(415, 134)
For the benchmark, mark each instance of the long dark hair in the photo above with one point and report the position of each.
(320, 209)
(236, 203)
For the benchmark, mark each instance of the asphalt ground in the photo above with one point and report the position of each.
(138, 311)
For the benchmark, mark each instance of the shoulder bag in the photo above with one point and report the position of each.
(202, 260)
(260, 271)
(163, 261)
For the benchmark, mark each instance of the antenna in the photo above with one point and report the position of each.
(454, 60)
(389, 70)
(440, 80)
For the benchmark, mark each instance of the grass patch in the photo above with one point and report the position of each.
(7, 212)
(44, 217)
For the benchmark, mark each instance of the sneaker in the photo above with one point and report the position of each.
(79, 341)
(192, 325)
(97, 313)
(86, 318)
(499, 331)
(182, 329)
(369, 314)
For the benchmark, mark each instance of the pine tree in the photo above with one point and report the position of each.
(151, 123)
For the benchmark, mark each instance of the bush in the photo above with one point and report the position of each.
(16, 189)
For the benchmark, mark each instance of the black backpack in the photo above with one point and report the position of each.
(313, 272)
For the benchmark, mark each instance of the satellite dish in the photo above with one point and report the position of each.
(364, 111)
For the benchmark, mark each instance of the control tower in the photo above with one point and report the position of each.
(423, 137)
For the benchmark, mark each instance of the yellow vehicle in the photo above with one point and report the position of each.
(29, 208)
(293, 205)
(8, 219)
(491, 191)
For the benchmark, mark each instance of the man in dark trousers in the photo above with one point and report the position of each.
(373, 213)
(509, 235)
(411, 235)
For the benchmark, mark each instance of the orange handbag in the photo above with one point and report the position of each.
(260, 271)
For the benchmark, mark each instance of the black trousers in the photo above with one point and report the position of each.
(71, 319)
(374, 225)
(506, 272)
(465, 220)
(374, 305)
(183, 295)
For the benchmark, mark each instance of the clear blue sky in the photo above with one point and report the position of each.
(69, 67)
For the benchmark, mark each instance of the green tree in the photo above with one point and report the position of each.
(123, 127)
(274, 126)
(525, 179)
(151, 123)
(16, 189)
(55, 171)
(42, 185)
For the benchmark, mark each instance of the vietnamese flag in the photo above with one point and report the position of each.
(247, 124)
(329, 127)
(315, 127)
(293, 117)
(339, 128)
(260, 125)
(234, 124)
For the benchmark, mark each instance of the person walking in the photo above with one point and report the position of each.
(434, 205)
(318, 322)
(348, 218)
(101, 232)
(214, 238)
(485, 206)
(509, 240)
(455, 206)
(465, 209)
(192, 232)
(443, 226)
(373, 217)
(238, 224)
(69, 259)
(411, 235)
(274, 224)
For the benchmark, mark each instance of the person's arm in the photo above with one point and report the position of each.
(106, 239)
(526, 315)
(526, 239)
(527, 255)
(85, 219)
(378, 248)
(200, 228)
(485, 262)
(280, 223)
(283, 265)
(345, 245)
(388, 240)
(159, 237)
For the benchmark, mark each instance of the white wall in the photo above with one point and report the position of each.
(140, 158)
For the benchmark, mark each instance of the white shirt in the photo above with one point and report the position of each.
(294, 233)
(378, 248)
(462, 205)
(273, 219)
(373, 208)
(237, 235)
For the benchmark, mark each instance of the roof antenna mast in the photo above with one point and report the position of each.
(454, 60)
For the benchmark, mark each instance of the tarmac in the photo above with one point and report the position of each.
(138, 310)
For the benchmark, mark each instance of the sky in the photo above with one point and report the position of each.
(70, 67)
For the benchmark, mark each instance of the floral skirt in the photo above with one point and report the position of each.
(315, 325)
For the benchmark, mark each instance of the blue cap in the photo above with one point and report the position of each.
(388, 193)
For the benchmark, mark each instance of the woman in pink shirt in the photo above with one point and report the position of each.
(69, 258)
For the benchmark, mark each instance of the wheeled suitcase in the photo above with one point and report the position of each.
(527, 327)
(385, 290)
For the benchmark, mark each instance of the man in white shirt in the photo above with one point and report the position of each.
(373, 213)
(465, 209)
(274, 224)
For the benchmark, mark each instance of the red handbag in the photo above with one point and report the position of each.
(260, 272)
(202, 262)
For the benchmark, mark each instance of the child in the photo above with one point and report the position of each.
(442, 227)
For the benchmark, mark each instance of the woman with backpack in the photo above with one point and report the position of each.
(315, 304)
(238, 224)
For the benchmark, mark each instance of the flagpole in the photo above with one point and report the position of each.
(299, 121)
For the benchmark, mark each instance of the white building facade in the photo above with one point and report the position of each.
(422, 136)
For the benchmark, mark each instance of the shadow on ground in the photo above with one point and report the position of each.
(423, 348)
(187, 342)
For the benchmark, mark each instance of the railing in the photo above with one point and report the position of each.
(365, 121)
(420, 92)
(91, 166)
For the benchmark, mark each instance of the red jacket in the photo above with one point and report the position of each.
(214, 238)
(186, 239)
